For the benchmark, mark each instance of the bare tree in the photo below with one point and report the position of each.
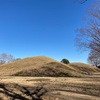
(94, 58)
(3, 58)
(6, 58)
(80, 1)
(88, 37)
(10, 58)
(2, 62)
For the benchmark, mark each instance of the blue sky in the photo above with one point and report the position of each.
(41, 28)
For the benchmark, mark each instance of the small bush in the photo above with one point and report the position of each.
(66, 61)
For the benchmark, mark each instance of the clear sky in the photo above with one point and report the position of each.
(41, 28)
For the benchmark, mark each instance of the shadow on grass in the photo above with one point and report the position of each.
(24, 93)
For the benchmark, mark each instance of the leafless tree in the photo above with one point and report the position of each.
(2, 62)
(6, 58)
(94, 58)
(80, 1)
(88, 37)
(3, 58)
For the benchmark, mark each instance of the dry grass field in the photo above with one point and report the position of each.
(63, 88)
(78, 82)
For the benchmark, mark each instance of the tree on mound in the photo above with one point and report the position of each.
(94, 58)
(66, 61)
(88, 37)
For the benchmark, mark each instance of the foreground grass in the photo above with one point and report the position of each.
(84, 88)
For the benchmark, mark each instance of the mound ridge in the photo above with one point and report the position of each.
(41, 66)
(84, 68)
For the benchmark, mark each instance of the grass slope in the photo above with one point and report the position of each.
(24, 64)
(44, 66)
(52, 69)
(84, 68)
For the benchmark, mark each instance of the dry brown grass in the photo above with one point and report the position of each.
(44, 66)
(84, 88)
(37, 66)
(53, 69)
(24, 64)
(84, 68)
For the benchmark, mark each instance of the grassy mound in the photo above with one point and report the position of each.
(53, 69)
(24, 64)
(84, 68)
(42, 66)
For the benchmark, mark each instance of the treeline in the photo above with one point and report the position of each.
(7, 58)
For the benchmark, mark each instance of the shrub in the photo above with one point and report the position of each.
(66, 61)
